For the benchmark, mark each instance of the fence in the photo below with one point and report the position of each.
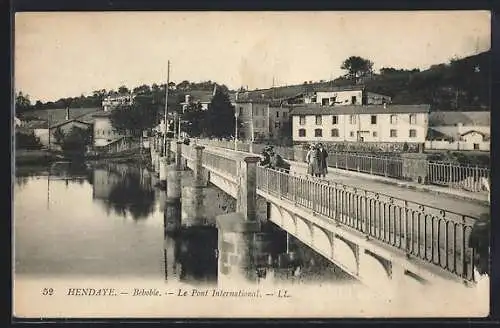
(470, 178)
(451, 175)
(430, 234)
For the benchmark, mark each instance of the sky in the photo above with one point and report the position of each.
(66, 54)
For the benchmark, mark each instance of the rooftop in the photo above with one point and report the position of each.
(479, 118)
(200, 95)
(316, 109)
(58, 115)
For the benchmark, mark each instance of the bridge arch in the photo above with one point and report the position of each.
(321, 240)
(345, 255)
(288, 221)
(374, 270)
(303, 230)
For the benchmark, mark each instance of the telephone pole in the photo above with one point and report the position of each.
(166, 108)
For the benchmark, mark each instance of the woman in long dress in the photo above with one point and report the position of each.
(312, 159)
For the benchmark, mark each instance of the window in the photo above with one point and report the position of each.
(318, 132)
(318, 119)
(394, 119)
(374, 133)
(374, 119)
(352, 119)
(333, 100)
(353, 100)
(394, 133)
(351, 134)
(302, 120)
(324, 101)
(413, 119)
(476, 146)
(313, 99)
(335, 132)
(302, 132)
(263, 112)
(241, 110)
(277, 114)
(413, 133)
(277, 125)
(335, 119)
(285, 114)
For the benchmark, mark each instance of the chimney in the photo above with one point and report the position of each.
(237, 94)
(67, 113)
(385, 104)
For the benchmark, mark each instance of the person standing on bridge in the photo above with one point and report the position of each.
(312, 159)
(323, 155)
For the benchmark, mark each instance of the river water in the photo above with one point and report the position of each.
(109, 220)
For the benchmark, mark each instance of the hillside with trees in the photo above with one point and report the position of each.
(155, 93)
(461, 84)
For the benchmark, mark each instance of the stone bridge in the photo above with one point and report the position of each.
(382, 241)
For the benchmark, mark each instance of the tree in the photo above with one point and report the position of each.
(357, 67)
(219, 117)
(135, 118)
(193, 120)
(23, 102)
(74, 142)
(123, 90)
(142, 90)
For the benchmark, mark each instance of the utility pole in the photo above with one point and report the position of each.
(166, 109)
(48, 129)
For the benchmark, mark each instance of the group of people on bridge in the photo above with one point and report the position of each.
(270, 159)
(317, 165)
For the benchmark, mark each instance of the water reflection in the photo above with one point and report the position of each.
(91, 241)
(125, 189)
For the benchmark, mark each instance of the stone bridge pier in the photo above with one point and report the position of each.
(237, 231)
(193, 196)
(173, 176)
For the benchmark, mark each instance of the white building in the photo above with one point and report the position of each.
(374, 123)
(104, 132)
(459, 130)
(113, 101)
(342, 96)
(197, 97)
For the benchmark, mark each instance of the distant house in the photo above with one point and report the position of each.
(198, 97)
(111, 102)
(47, 136)
(104, 132)
(459, 130)
(254, 116)
(347, 95)
(278, 117)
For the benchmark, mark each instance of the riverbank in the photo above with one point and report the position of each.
(24, 157)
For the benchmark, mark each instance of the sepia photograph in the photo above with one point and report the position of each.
(251, 164)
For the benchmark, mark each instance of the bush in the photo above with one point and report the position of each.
(27, 140)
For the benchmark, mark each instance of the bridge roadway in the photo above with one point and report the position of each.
(450, 202)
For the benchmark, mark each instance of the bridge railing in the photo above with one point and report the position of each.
(471, 178)
(211, 159)
(431, 234)
(220, 163)
(448, 174)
